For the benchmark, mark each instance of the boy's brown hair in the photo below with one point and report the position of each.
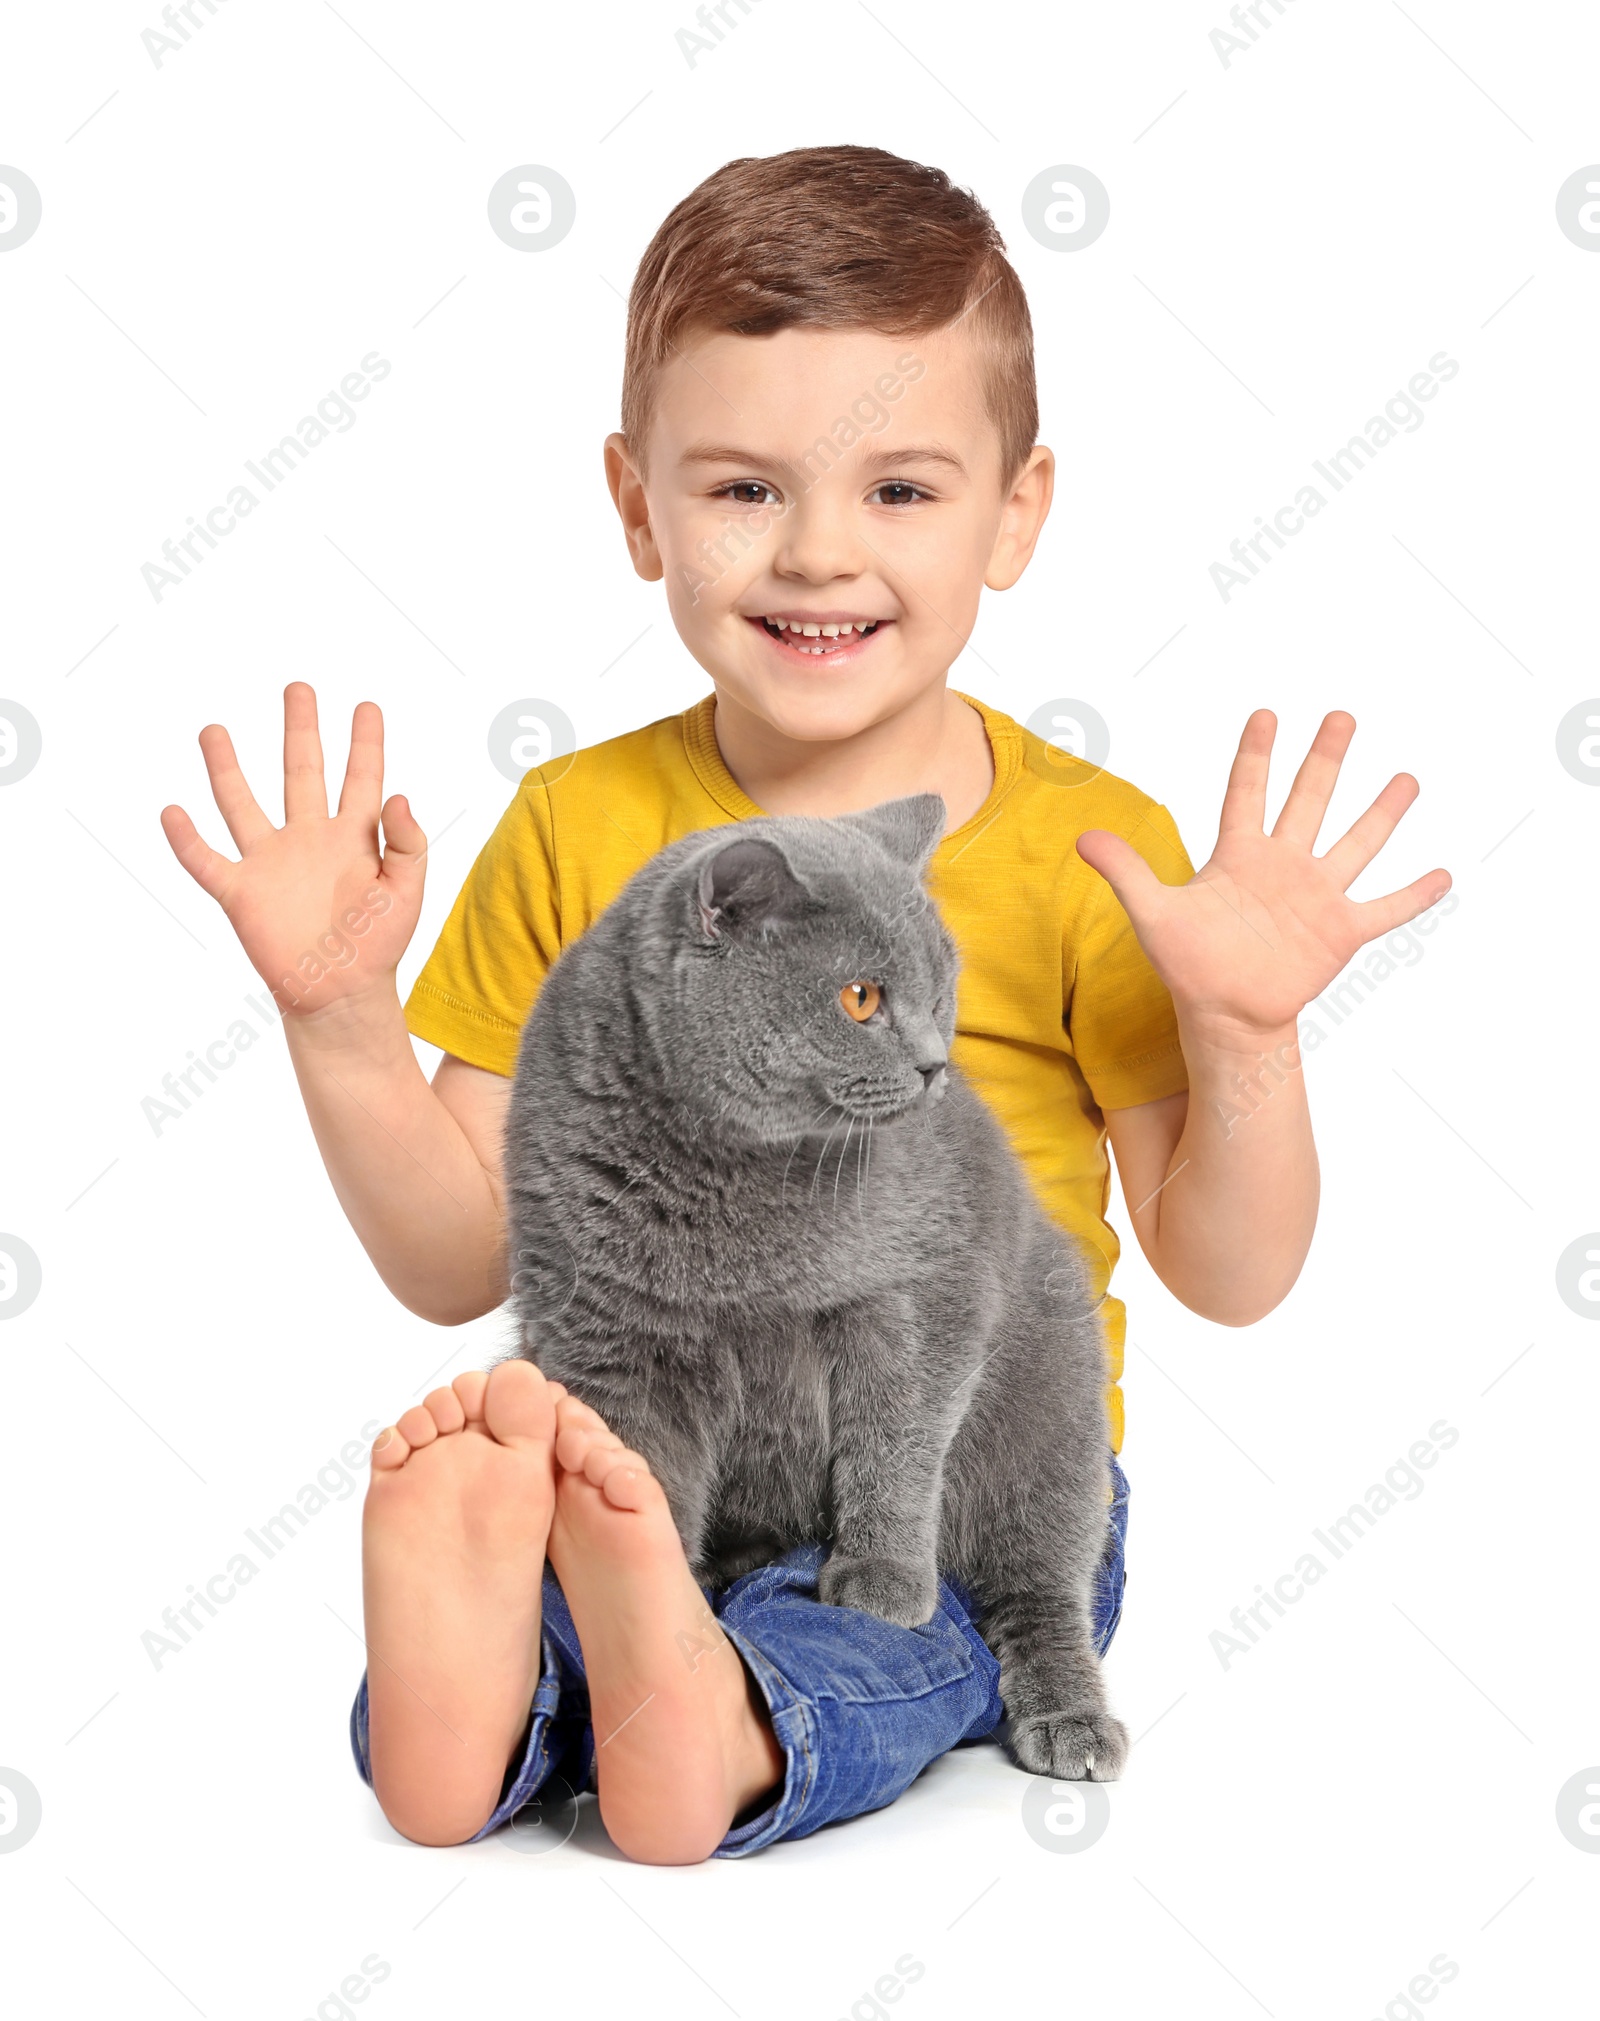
(833, 238)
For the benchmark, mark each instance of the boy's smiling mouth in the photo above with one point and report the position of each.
(817, 634)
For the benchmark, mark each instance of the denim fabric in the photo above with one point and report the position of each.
(859, 1706)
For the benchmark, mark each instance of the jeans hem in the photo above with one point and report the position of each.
(794, 1729)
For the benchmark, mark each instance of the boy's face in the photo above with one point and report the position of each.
(832, 478)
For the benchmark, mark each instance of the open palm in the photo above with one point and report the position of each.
(325, 905)
(1264, 925)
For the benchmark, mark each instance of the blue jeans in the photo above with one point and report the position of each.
(859, 1706)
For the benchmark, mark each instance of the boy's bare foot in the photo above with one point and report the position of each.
(453, 1539)
(682, 1741)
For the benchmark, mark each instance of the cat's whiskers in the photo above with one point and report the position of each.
(783, 1195)
(863, 1145)
(839, 1168)
(816, 1176)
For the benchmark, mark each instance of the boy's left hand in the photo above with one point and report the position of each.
(1265, 926)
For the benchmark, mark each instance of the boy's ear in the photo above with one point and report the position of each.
(1022, 519)
(910, 829)
(746, 887)
(627, 494)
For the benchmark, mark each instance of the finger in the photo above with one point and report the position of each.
(405, 847)
(305, 797)
(1360, 842)
(1244, 805)
(1123, 868)
(1301, 814)
(237, 805)
(204, 864)
(362, 793)
(1378, 916)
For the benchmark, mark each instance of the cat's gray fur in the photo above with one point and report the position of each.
(795, 1263)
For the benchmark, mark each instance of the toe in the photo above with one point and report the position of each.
(578, 1428)
(417, 1427)
(518, 1406)
(576, 1442)
(389, 1450)
(445, 1408)
(625, 1480)
(470, 1388)
(571, 1410)
(602, 1457)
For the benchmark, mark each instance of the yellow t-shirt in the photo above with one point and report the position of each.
(1059, 1014)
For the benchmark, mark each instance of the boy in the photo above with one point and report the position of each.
(828, 450)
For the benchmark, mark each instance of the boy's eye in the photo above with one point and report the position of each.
(739, 491)
(860, 999)
(896, 491)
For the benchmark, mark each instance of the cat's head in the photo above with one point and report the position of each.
(802, 975)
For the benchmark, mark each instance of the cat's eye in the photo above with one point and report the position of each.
(860, 999)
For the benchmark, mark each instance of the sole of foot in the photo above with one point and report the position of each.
(682, 1739)
(453, 1544)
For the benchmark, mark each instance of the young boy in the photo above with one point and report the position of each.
(828, 450)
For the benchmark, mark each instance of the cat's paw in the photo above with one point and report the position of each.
(888, 1587)
(1087, 1746)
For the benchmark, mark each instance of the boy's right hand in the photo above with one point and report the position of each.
(322, 912)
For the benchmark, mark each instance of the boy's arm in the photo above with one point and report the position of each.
(1229, 1235)
(1222, 1182)
(324, 914)
(416, 1168)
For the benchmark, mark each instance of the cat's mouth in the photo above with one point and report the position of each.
(890, 1110)
(819, 637)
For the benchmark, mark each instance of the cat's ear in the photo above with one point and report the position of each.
(747, 887)
(910, 829)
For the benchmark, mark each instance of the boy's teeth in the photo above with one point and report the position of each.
(820, 631)
(800, 630)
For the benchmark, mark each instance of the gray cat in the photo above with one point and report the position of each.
(763, 1227)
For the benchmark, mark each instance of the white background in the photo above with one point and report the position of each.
(1292, 236)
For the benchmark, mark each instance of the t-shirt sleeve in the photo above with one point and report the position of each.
(1123, 1027)
(504, 932)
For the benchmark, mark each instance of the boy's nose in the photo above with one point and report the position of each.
(818, 544)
